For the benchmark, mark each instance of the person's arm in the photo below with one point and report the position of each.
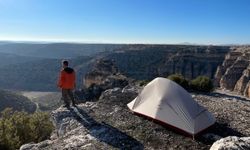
(60, 79)
(74, 77)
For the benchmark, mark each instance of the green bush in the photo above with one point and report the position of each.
(202, 84)
(179, 79)
(17, 128)
(143, 82)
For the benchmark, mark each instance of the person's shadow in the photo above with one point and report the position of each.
(105, 132)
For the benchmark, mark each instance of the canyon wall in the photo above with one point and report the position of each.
(228, 66)
(234, 73)
(104, 74)
(145, 62)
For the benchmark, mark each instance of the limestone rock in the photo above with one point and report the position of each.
(241, 84)
(232, 143)
(234, 73)
(104, 75)
(247, 90)
(38, 146)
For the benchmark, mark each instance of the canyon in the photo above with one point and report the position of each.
(234, 73)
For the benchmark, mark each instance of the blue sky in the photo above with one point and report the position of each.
(127, 21)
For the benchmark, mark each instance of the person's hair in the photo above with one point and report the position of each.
(65, 62)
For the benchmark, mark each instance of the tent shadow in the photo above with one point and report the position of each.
(105, 132)
(218, 129)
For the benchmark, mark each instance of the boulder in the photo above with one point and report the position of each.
(232, 143)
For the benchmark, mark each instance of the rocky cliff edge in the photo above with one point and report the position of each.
(108, 124)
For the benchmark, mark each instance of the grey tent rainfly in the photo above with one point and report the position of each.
(165, 101)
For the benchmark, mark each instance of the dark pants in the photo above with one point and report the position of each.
(67, 96)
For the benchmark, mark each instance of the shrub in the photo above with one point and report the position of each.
(179, 79)
(143, 82)
(202, 84)
(17, 128)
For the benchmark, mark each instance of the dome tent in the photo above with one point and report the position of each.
(165, 101)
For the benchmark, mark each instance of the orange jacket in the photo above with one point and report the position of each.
(67, 78)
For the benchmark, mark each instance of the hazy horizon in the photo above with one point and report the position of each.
(118, 43)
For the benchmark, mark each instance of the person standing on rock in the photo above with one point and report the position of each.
(67, 83)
